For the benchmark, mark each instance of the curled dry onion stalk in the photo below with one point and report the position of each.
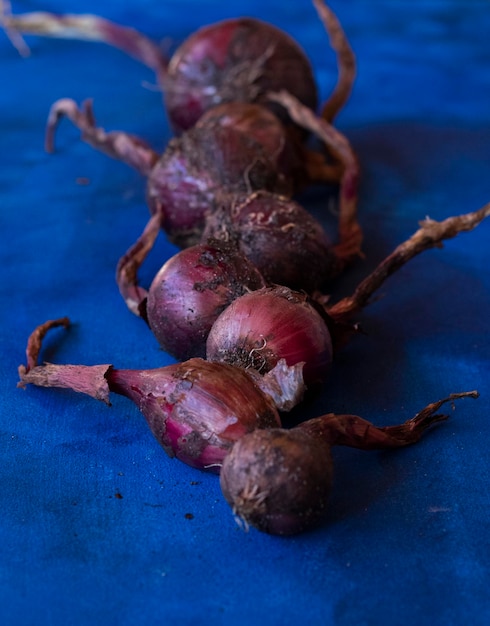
(431, 234)
(346, 62)
(356, 432)
(94, 28)
(82, 26)
(195, 409)
(117, 144)
(350, 232)
(279, 480)
(128, 265)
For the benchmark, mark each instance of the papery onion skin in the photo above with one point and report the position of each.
(258, 329)
(239, 59)
(191, 290)
(283, 240)
(195, 409)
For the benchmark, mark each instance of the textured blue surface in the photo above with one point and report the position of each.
(407, 537)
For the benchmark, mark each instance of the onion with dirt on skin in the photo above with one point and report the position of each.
(236, 64)
(284, 146)
(260, 328)
(202, 169)
(190, 291)
(235, 60)
(279, 480)
(284, 241)
(195, 409)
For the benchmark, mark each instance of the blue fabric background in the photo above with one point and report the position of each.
(407, 537)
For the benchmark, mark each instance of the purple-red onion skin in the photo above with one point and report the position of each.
(283, 144)
(201, 170)
(278, 480)
(260, 328)
(197, 409)
(239, 59)
(283, 240)
(191, 290)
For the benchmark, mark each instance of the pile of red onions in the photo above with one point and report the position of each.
(242, 304)
(225, 419)
(239, 134)
(224, 416)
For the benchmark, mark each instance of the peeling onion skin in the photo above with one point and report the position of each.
(191, 290)
(258, 329)
(202, 169)
(238, 59)
(195, 409)
(284, 241)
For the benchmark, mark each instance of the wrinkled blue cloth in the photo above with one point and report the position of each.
(97, 524)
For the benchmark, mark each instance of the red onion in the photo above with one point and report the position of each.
(189, 292)
(202, 169)
(275, 323)
(233, 60)
(195, 409)
(285, 242)
(279, 480)
(259, 329)
(282, 144)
